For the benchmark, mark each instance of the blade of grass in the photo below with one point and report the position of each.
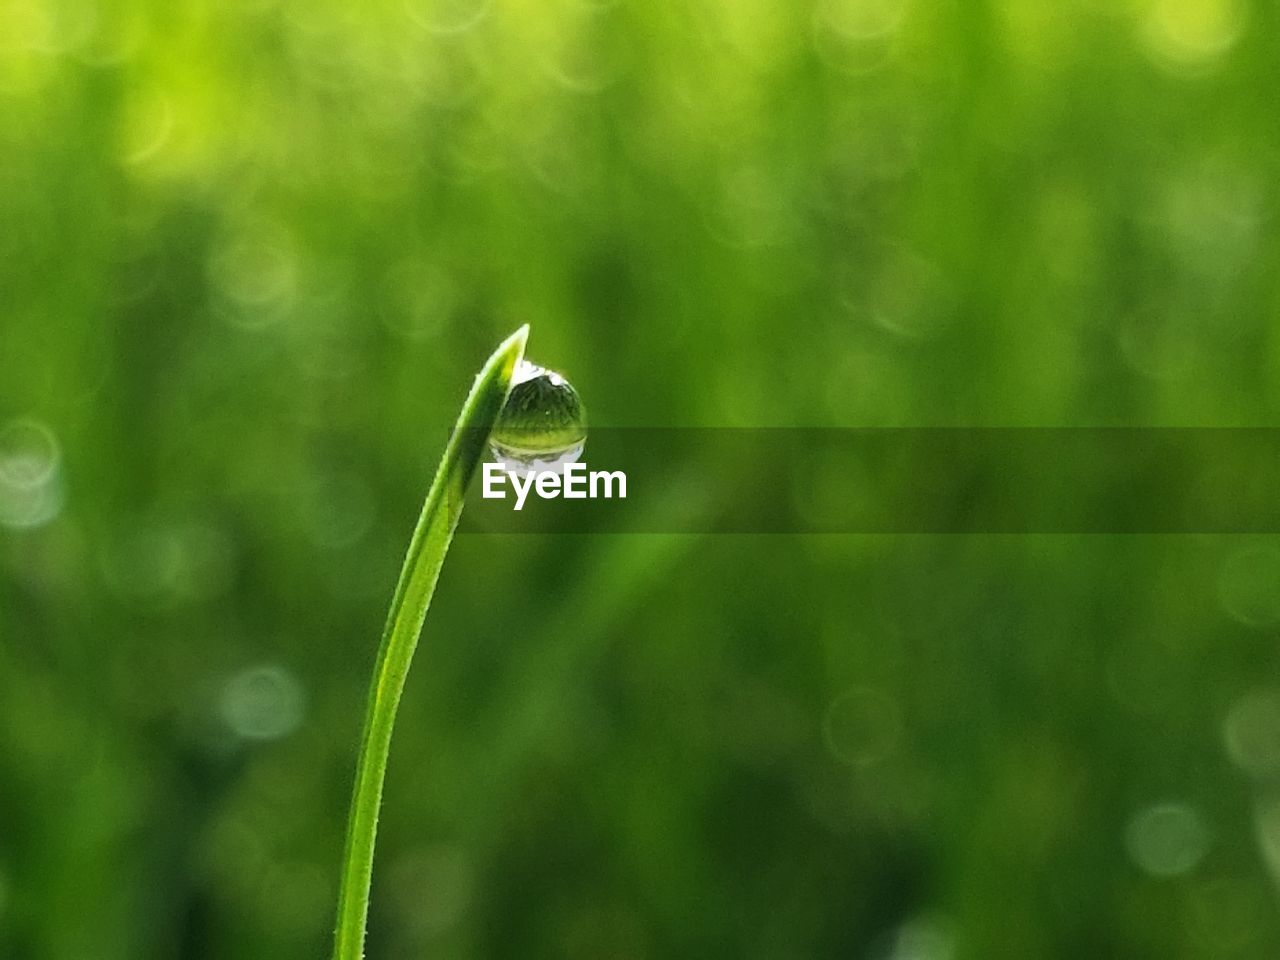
(430, 543)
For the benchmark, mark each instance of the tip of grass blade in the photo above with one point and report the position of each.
(508, 355)
(516, 342)
(500, 367)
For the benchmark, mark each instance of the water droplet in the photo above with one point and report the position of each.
(923, 938)
(856, 37)
(264, 702)
(30, 454)
(448, 17)
(906, 295)
(862, 727)
(30, 474)
(1252, 733)
(1185, 35)
(1167, 840)
(543, 425)
(254, 274)
(148, 129)
(585, 64)
(863, 18)
(1266, 822)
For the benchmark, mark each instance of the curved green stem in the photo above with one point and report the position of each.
(418, 577)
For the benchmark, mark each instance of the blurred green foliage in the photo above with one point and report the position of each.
(252, 251)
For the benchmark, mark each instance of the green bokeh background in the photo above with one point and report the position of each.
(252, 253)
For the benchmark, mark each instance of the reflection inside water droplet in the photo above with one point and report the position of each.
(543, 425)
